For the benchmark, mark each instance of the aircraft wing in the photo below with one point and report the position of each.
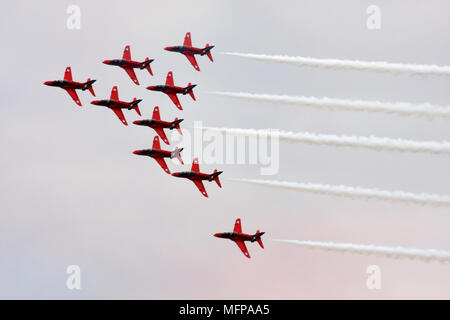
(169, 79)
(192, 60)
(132, 75)
(74, 96)
(163, 164)
(175, 100)
(126, 53)
(155, 115)
(187, 40)
(156, 144)
(68, 74)
(120, 115)
(114, 94)
(243, 247)
(200, 186)
(162, 134)
(195, 166)
(237, 226)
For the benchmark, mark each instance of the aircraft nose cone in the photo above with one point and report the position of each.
(106, 61)
(94, 102)
(137, 152)
(150, 87)
(168, 48)
(217, 235)
(137, 122)
(47, 83)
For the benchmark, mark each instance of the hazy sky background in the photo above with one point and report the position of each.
(72, 192)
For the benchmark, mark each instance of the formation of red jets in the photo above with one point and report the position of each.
(171, 90)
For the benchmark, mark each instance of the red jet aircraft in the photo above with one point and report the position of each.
(116, 105)
(129, 65)
(239, 238)
(159, 155)
(171, 90)
(158, 125)
(196, 176)
(70, 86)
(189, 51)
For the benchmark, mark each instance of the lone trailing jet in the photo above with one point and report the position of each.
(196, 176)
(189, 51)
(70, 86)
(116, 105)
(159, 155)
(158, 125)
(129, 65)
(171, 90)
(239, 238)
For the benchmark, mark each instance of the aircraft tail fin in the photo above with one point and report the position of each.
(208, 52)
(135, 106)
(88, 85)
(146, 65)
(190, 89)
(177, 153)
(215, 176)
(176, 125)
(258, 238)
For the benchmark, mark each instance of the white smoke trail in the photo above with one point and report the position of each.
(370, 142)
(377, 66)
(427, 255)
(355, 192)
(400, 108)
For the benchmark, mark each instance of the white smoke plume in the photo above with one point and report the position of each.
(371, 142)
(399, 108)
(377, 66)
(355, 192)
(427, 255)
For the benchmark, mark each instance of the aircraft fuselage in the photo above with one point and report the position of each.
(124, 63)
(112, 103)
(167, 89)
(193, 175)
(235, 236)
(152, 123)
(153, 153)
(65, 84)
(189, 50)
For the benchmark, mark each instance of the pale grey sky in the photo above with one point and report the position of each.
(73, 193)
